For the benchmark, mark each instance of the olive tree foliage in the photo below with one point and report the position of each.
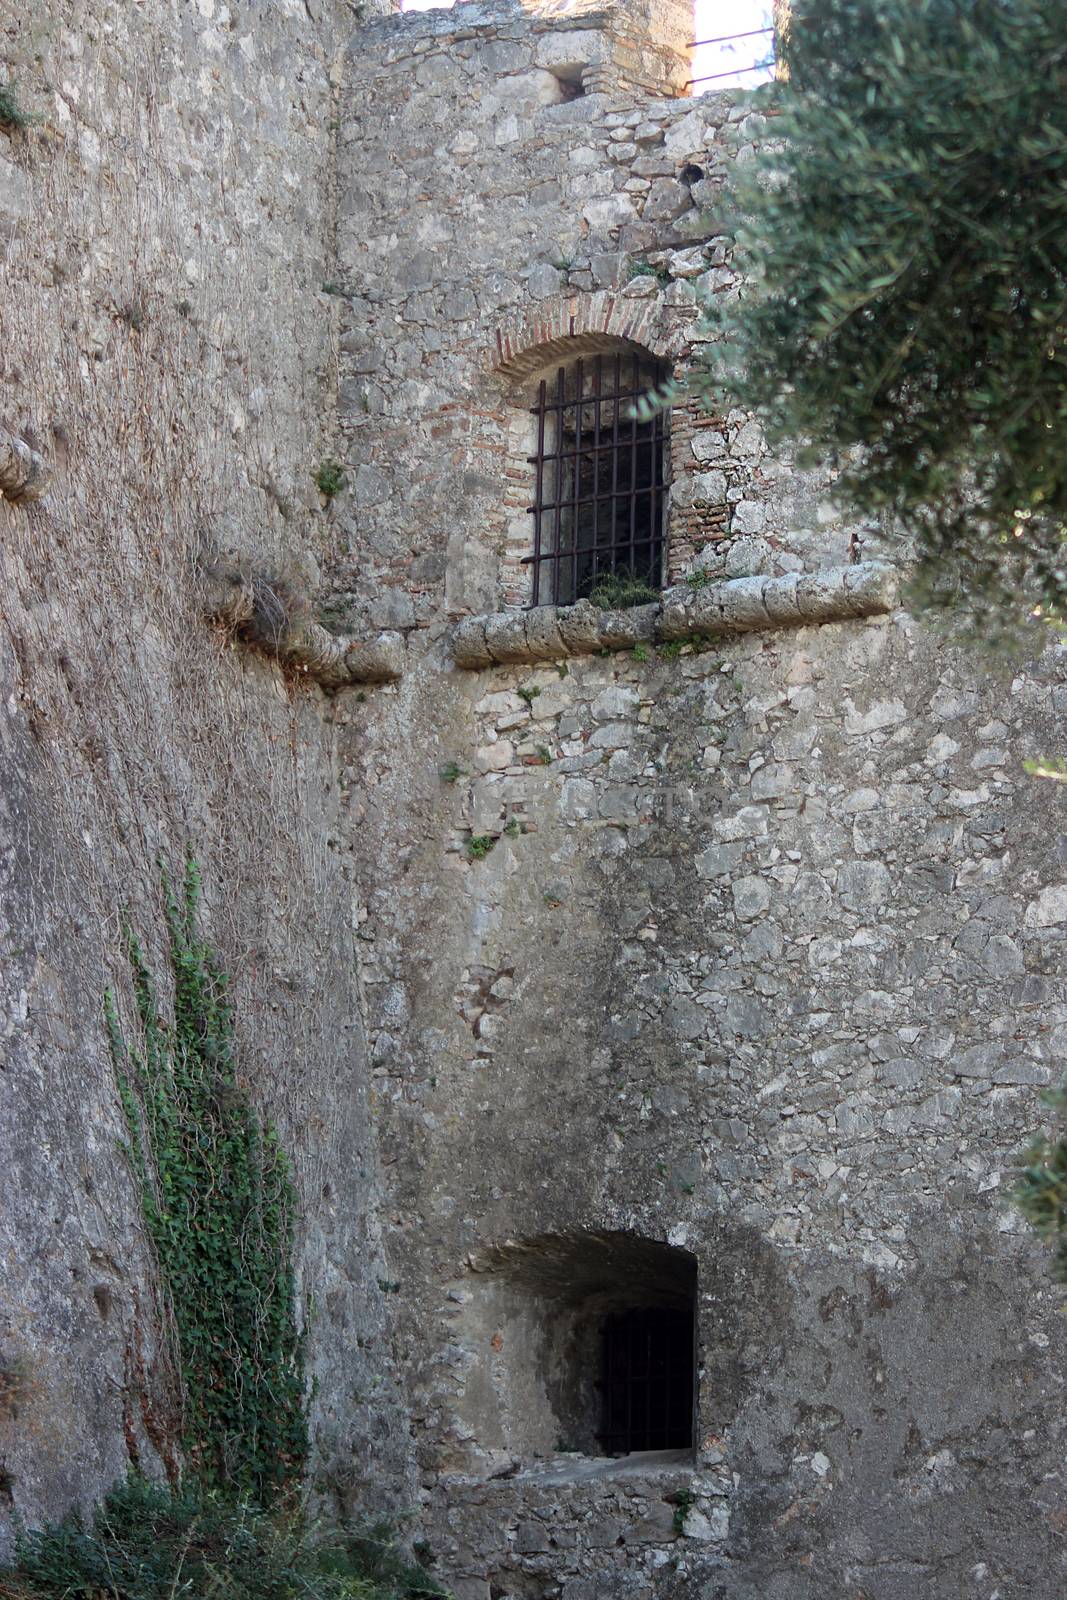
(903, 250)
(903, 242)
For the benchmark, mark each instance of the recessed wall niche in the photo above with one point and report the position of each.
(579, 1342)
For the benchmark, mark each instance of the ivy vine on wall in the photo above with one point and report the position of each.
(218, 1203)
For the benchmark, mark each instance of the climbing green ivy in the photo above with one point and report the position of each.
(218, 1203)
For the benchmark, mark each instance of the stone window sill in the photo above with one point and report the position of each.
(588, 1469)
(738, 605)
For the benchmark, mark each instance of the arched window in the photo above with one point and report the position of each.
(600, 477)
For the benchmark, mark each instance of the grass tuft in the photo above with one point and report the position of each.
(329, 478)
(618, 591)
(147, 1542)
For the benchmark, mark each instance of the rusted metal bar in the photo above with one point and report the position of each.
(582, 528)
(728, 38)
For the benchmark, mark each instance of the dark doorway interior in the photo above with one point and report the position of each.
(648, 1381)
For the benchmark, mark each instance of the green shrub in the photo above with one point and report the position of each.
(12, 114)
(904, 236)
(1041, 1190)
(147, 1542)
(645, 269)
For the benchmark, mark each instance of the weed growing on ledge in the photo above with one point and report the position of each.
(218, 1202)
(479, 846)
(529, 695)
(618, 591)
(329, 478)
(684, 1502)
(451, 772)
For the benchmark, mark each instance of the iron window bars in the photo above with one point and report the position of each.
(648, 1383)
(600, 479)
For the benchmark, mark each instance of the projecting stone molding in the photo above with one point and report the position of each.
(259, 611)
(739, 605)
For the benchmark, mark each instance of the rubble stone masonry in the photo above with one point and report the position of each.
(746, 943)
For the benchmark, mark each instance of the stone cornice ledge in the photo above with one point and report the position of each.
(738, 605)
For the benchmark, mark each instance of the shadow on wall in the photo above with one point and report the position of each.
(580, 1343)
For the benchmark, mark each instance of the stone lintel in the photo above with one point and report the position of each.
(737, 605)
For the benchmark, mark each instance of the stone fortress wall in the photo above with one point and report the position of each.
(167, 344)
(760, 967)
(763, 961)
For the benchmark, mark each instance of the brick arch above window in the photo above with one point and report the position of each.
(569, 326)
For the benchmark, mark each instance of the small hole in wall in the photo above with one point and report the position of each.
(692, 173)
(7, 1487)
(102, 1297)
(570, 82)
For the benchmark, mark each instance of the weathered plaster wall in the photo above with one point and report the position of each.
(769, 969)
(166, 339)
(765, 958)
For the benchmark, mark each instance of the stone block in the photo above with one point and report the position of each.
(612, 211)
(741, 603)
(747, 558)
(620, 700)
(780, 601)
(543, 638)
(752, 896)
(621, 630)
(469, 648)
(579, 627)
(505, 636)
(531, 1538)
(667, 199)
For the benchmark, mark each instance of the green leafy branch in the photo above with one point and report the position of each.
(902, 242)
